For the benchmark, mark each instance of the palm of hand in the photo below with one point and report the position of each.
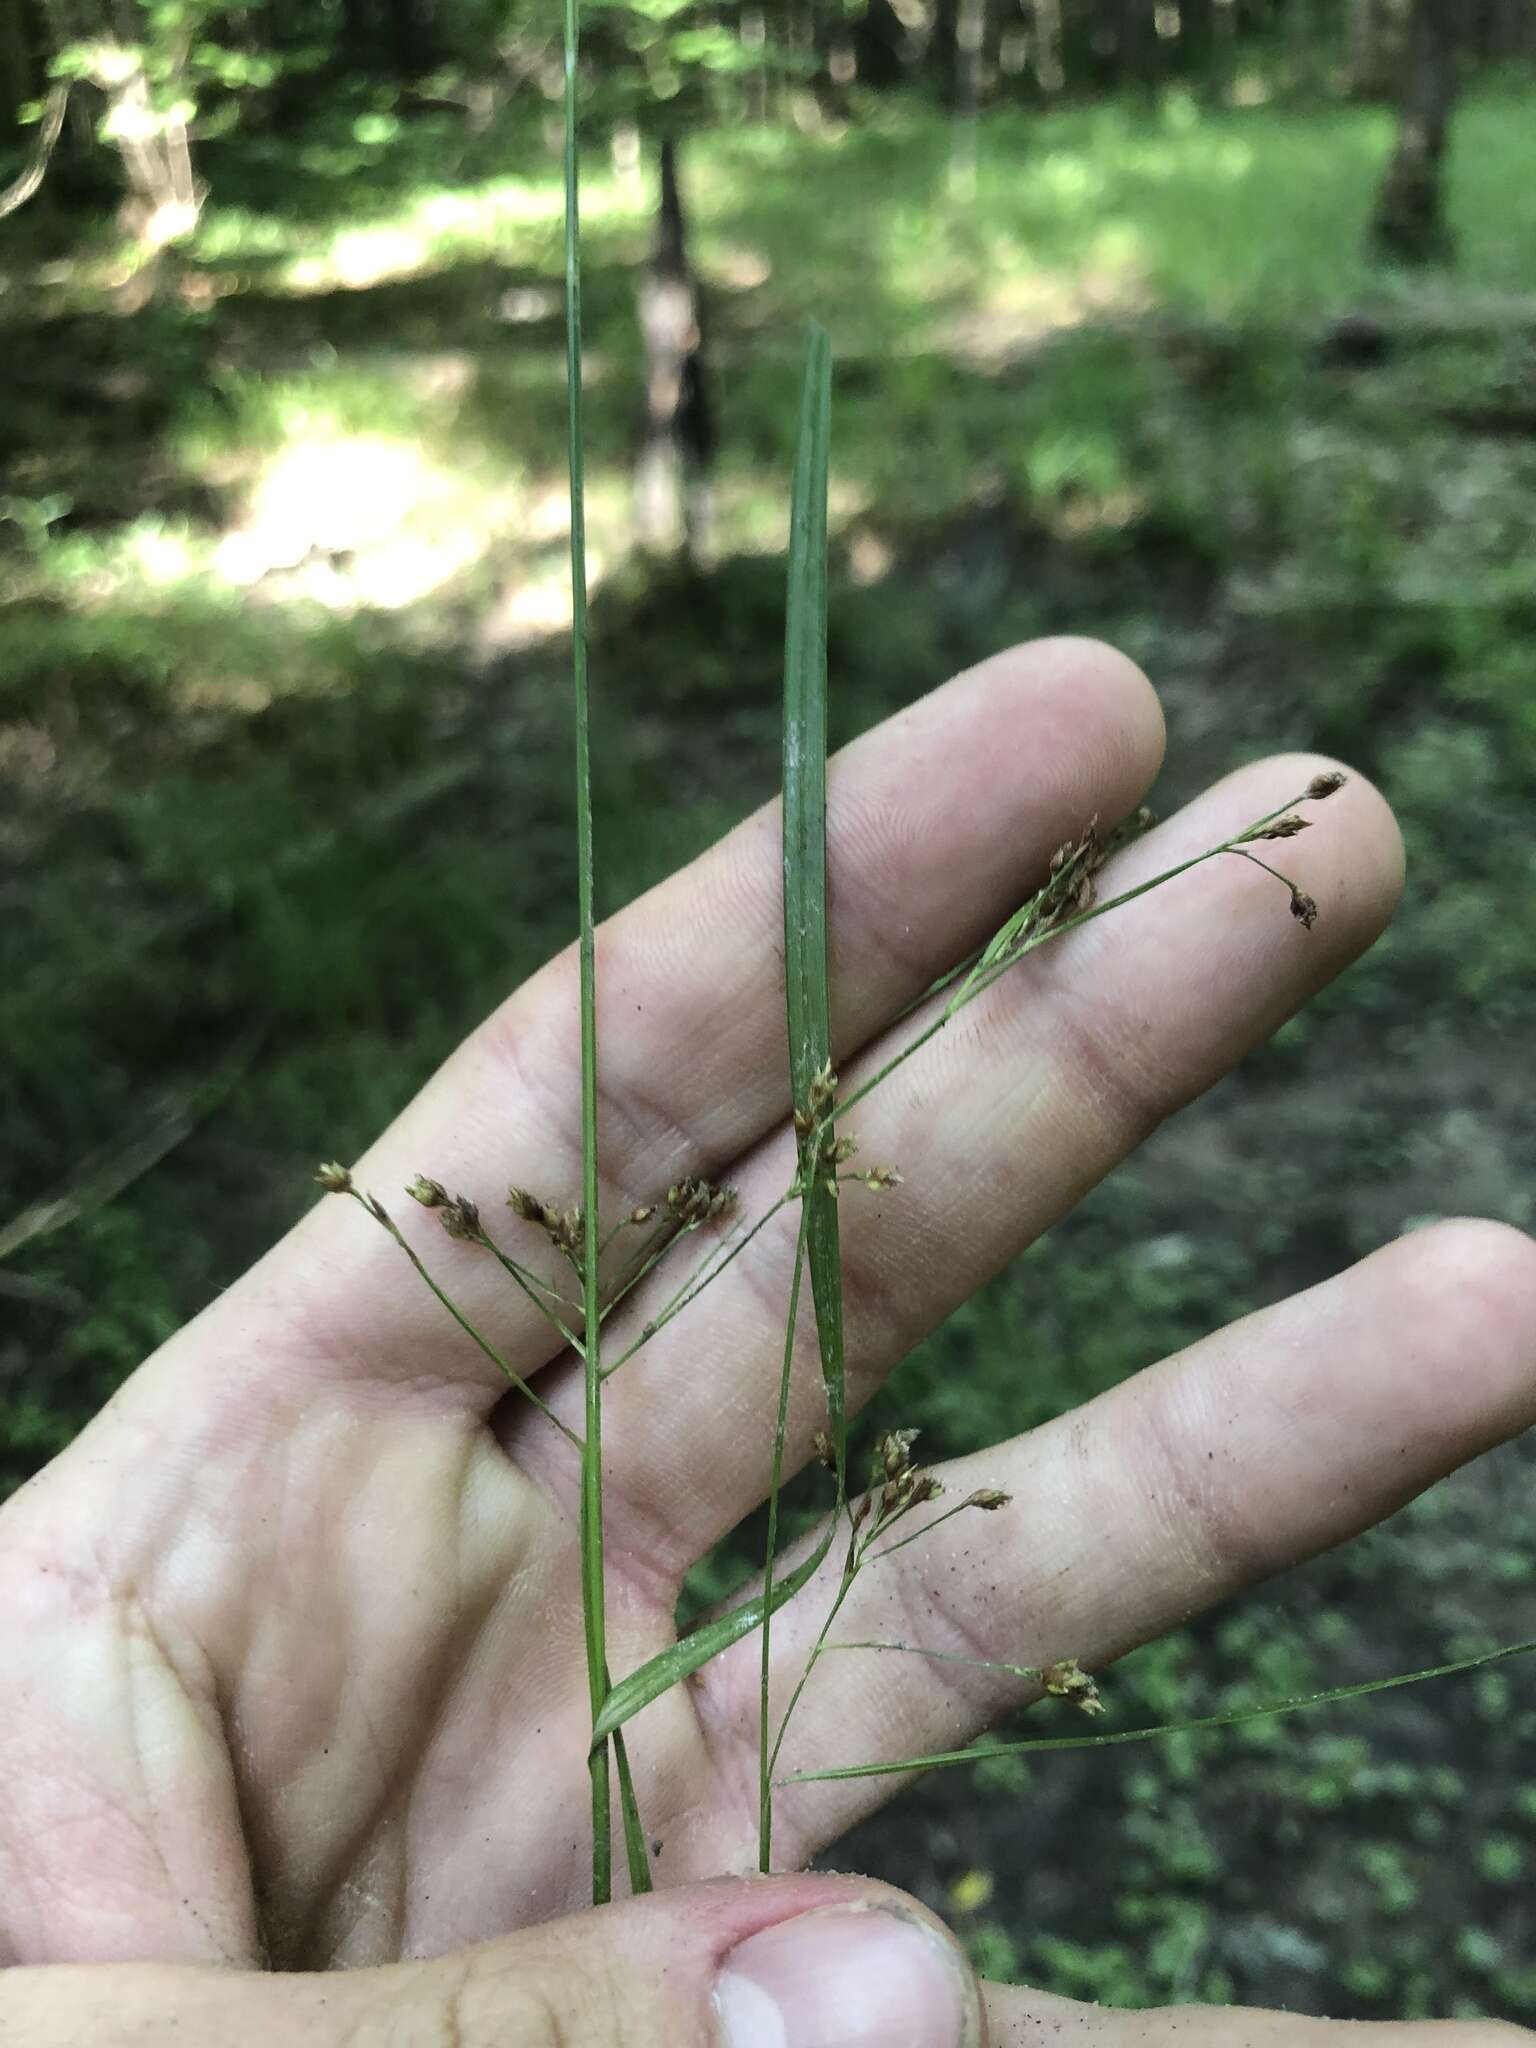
(315, 1696)
(297, 1670)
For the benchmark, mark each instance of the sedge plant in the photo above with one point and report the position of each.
(576, 1270)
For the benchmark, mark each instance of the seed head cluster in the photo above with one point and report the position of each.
(1067, 1680)
(565, 1228)
(693, 1201)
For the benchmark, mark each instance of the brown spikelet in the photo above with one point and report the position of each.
(693, 1201)
(1067, 1680)
(460, 1217)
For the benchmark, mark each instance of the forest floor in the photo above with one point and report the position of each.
(283, 740)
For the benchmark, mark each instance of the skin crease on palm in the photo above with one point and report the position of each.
(295, 1668)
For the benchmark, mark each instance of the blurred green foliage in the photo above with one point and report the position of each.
(283, 744)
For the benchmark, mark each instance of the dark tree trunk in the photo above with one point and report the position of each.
(357, 30)
(879, 42)
(16, 70)
(752, 33)
(1376, 42)
(408, 39)
(672, 496)
(1223, 60)
(964, 131)
(1409, 224)
(1303, 36)
(1050, 68)
(1136, 44)
(1509, 30)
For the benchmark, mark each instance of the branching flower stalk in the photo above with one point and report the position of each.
(337, 1179)
(1065, 902)
(709, 1269)
(1069, 901)
(898, 1487)
(1063, 1679)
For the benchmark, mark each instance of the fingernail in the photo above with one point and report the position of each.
(849, 1977)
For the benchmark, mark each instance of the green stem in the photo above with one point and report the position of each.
(644, 1264)
(984, 973)
(707, 1270)
(381, 1215)
(592, 1586)
(775, 1485)
(635, 1847)
(534, 1288)
(874, 1557)
(1243, 854)
(942, 1759)
(1030, 1673)
(818, 1648)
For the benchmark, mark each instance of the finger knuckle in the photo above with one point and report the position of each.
(570, 2005)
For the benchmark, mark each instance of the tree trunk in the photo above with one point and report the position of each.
(752, 33)
(408, 39)
(1050, 72)
(1409, 224)
(970, 34)
(16, 72)
(1223, 47)
(1378, 32)
(1303, 36)
(1135, 44)
(672, 475)
(1510, 31)
(880, 46)
(357, 30)
(1360, 37)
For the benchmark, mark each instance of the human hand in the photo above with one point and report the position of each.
(295, 1672)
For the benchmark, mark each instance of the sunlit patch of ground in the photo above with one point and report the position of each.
(1022, 306)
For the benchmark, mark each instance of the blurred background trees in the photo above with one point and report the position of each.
(155, 78)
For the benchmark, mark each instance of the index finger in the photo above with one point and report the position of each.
(938, 822)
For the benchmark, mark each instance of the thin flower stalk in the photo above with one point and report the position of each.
(775, 1486)
(1270, 1710)
(330, 1178)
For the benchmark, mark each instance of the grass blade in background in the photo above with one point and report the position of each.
(807, 1000)
(105, 1175)
(805, 928)
(593, 1591)
(805, 848)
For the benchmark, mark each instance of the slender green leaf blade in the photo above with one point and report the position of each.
(671, 1667)
(593, 1592)
(636, 1847)
(807, 1001)
(805, 733)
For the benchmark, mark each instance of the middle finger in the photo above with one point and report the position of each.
(999, 1125)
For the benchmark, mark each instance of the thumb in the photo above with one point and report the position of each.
(806, 1962)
